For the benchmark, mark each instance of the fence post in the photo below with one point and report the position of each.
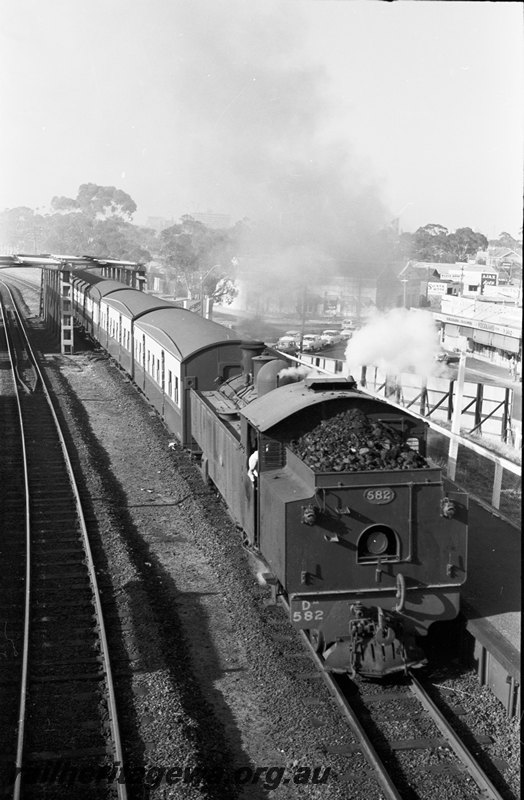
(455, 423)
(506, 426)
(423, 398)
(497, 484)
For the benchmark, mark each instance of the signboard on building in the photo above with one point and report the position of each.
(486, 326)
(437, 288)
(488, 279)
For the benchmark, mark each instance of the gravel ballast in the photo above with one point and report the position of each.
(209, 677)
(214, 680)
(214, 667)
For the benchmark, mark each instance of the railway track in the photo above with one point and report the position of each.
(56, 687)
(406, 739)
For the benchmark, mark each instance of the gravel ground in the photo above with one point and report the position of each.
(214, 667)
(209, 676)
(214, 682)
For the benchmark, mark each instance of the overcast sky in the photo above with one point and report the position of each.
(234, 106)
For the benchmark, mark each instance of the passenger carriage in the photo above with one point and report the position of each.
(82, 281)
(176, 350)
(95, 294)
(119, 311)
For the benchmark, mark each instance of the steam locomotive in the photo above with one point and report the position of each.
(330, 486)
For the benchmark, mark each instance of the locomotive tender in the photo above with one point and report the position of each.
(370, 551)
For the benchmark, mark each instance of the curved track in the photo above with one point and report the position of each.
(58, 664)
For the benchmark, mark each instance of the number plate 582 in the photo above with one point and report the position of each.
(379, 496)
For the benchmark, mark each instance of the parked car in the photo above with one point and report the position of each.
(331, 337)
(310, 341)
(447, 357)
(347, 333)
(287, 344)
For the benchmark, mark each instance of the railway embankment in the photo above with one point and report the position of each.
(211, 661)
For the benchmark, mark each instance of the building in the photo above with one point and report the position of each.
(211, 220)
(428, 282)
(364, 287)
(473, 278)
(437, 289)
(416, 278)
(506, 261)
(159, 223)
(489, 330)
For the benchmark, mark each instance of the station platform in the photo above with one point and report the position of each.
(491, 602)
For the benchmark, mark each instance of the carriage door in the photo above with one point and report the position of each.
(249, 512)
(143, 360)
(163, 378)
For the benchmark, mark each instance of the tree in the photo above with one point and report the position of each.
(225, 291)
(434, 243)
(68, 233)
(178, 254)
(429, 243)
(433, 230)
(22, 230)
(199, 256)
(64, 204)
(465, 242)
(116, 238)
(506, 240)
(105, 201)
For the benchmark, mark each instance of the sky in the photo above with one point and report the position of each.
(358, 110)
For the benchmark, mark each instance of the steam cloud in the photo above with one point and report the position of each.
(395, 342)
(259, 115)
(296, 373)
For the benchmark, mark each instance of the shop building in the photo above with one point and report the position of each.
(488, 330)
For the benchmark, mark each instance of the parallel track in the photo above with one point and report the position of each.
(66, 711)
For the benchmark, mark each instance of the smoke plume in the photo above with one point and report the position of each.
(259, 113)
(399, 340)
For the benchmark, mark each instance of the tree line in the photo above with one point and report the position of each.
(98, 222)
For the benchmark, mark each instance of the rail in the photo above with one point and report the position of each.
(389, 785)
(104, 647)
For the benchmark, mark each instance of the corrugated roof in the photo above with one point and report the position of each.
(497, 252)
(184, 330)
(500, 315)
(507, 316)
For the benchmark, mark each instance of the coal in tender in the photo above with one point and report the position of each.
(351, 442)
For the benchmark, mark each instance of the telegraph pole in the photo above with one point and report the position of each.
(303, 321)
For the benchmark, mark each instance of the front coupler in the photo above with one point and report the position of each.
(377, 645)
